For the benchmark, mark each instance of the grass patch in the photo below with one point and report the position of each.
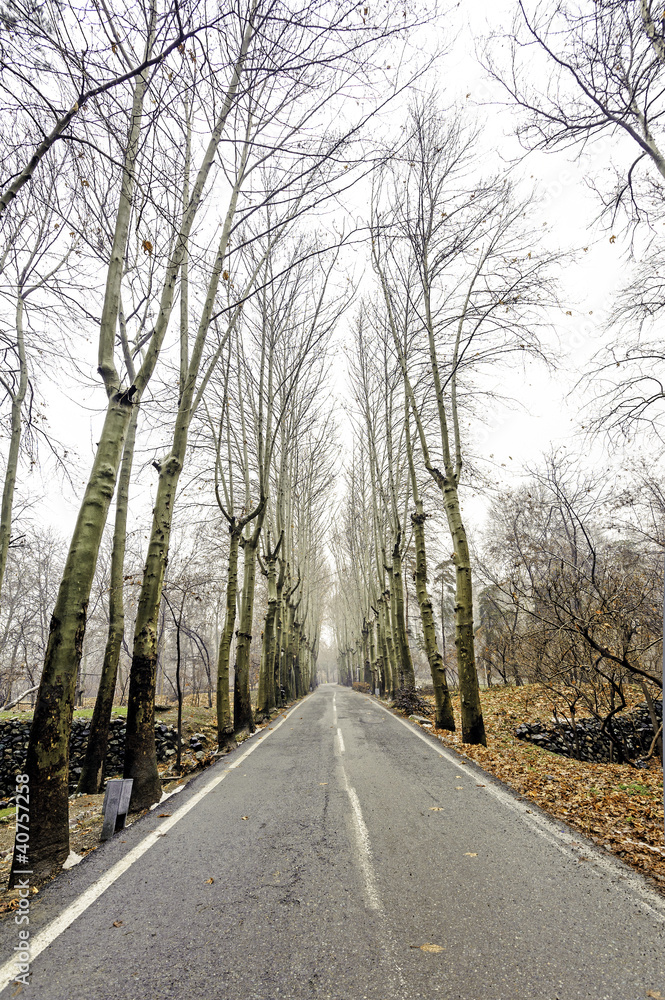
(79, 713)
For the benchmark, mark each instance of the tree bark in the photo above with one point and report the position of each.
(47, 761)
(224, 720)
(473, 727)
(140, 749)
(14, 443)
(266, 695)
(407, 678)
(92, 774)
(445, 718)
(367, 668)
(390, 642)
(243, 717)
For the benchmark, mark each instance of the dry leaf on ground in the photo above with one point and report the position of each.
(617, 806)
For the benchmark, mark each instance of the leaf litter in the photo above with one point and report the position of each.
(616, 806)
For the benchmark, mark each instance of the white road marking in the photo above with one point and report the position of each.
(53, 930)
(366, 861)
(341, 740)
(364, 845)
(562, 839)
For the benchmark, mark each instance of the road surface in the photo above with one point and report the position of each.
(319, 858)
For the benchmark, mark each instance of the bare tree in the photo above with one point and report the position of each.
(587, 601)
(461, 273)
(37, 276)
(603, 68)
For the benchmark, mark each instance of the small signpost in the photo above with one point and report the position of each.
(116, 806)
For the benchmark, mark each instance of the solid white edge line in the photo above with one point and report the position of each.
(563, 840)
(53, 930)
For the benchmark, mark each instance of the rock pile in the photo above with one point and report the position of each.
(14, 735)
(634, 730)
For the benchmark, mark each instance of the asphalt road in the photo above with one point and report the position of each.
(334, 846)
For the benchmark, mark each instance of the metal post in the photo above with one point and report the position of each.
(116, 806)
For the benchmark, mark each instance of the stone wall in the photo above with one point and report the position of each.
(633, 729)
(14, 735)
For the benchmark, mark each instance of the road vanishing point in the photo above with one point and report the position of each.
(342, 853)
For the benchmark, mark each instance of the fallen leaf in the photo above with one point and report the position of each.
(244, 817)
(117, 923)
(323, 782)
(427, 947)
(436, 809)
(470, 854)
(480, 786)
(459, 788)
(209, 881)
(656, 994)
(161, 815)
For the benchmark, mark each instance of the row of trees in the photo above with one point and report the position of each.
(461, 288)
(463, 285)
(167, 155)
(164, 196)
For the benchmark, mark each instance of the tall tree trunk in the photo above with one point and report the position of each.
(92, 773)
(294, 652)
(444, 709)
(473, 727)
(140, 749)
(367, 670)
(287, 613)
(372, 659)
(381, 651)
(47, 760)
(14, 443)
(407, 678)
(243, 717)
(224, 720)
(288, 651)
(266, 695)
(389, 634)
(277, 644)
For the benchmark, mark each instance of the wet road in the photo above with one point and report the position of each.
(319, 858)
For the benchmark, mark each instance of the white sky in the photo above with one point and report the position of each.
(547, 415)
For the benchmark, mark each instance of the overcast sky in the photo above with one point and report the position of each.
(547, 413)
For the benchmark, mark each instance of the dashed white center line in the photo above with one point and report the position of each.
(364, 846)
(341, 740)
